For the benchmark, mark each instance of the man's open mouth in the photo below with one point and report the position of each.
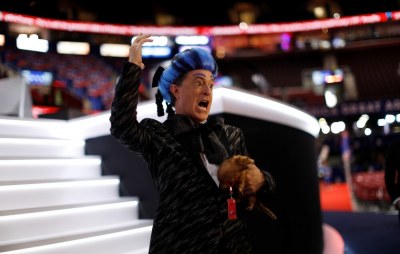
(203, 104)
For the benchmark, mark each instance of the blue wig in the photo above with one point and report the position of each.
(183, 62)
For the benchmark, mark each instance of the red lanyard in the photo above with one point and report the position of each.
(231, 205)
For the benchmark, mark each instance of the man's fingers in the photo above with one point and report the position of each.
(142, 38)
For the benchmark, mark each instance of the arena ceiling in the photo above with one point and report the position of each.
(190, 13)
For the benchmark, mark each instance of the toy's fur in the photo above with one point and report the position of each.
(232, 172)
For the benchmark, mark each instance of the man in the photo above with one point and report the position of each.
(392, 173)
(183, 154)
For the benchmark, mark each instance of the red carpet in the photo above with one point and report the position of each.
(335, 197)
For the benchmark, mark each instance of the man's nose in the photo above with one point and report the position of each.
(207, 90)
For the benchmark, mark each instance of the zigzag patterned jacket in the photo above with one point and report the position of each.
(191, 216)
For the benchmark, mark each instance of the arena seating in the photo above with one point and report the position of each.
(370, 186)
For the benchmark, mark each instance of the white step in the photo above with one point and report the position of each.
(20, 226)
(50, 169)
(34, 128)
(43, 148)
(133, 240)
(53, 198)
(29, 194)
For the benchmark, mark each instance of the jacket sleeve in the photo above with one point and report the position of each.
(269, 184)
(124, 124)
(392, 164)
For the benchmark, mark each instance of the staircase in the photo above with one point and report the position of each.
(53, 198)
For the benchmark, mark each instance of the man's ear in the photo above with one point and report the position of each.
(174, 90)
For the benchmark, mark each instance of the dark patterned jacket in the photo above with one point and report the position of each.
(191, 216)
(392, 170)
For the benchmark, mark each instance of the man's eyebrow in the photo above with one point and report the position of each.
(202, 75)
(199, 74)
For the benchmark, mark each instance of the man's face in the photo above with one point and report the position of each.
(194, 96)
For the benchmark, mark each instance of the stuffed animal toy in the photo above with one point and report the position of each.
(232, 173)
